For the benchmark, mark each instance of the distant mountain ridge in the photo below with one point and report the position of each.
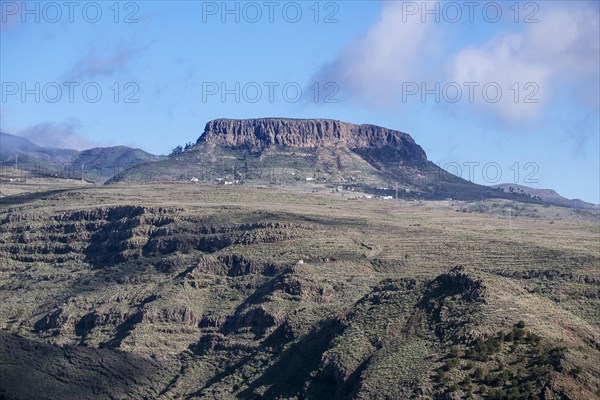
(546, 196)
(97, 164)
(11, 144)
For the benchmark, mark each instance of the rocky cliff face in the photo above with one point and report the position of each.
(309, 133)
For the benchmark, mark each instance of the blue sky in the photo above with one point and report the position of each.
(506, 88)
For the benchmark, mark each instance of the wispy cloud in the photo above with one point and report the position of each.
(64, 135)
(94, 65)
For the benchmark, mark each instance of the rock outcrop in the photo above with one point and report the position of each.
(309, 133)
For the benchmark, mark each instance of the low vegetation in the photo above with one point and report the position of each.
(204, 291)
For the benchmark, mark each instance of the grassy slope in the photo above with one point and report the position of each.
(208, 281)
(366, 170)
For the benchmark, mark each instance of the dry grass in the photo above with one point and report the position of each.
(331, 251)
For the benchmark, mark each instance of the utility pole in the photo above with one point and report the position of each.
(510, 218)
(81, 172)
(396, 192)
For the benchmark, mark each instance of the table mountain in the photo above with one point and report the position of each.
(285, 151)
(262, 133)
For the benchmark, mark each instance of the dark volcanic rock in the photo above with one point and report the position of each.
(34, 370)
(308, 133)
(52, 320)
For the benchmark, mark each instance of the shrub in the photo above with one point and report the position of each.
(514, 394)
(501, 365)
(177, 150)
(478, 375)
(576, 371)
(453, 387)
(454, 351)
(451, 363)
(518, 334)
(441, 375)
(497, 394)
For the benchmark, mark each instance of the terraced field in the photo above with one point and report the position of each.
(202, 291)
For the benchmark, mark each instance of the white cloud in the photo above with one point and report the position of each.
(559, 54)
(522, 86)
(375, 65)
(554, 59)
